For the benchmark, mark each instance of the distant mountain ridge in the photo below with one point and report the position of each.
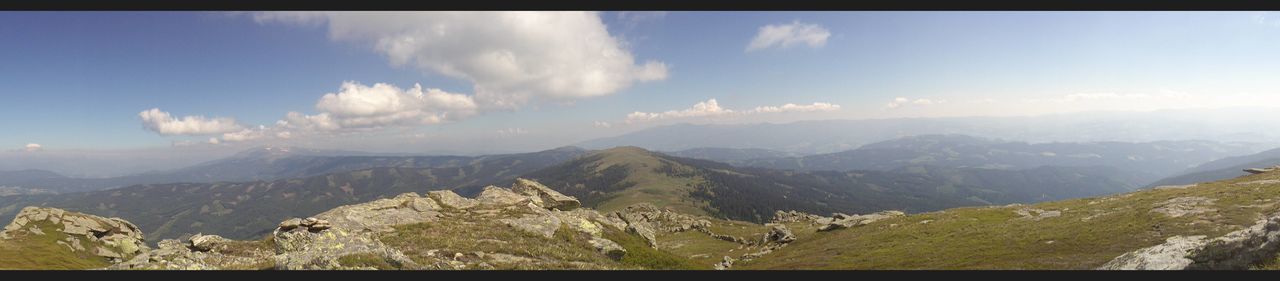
(243, 209)
(1221, 169)
(265, 163)
(829, 136)
(1148, 161)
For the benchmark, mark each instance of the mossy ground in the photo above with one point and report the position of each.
(43, 251)
(1089, 232)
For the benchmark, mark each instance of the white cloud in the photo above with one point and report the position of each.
(701, 109)
(214, 141)
(245, 135)
(602, 124)
(357, 106)
(711, 108)
(33, 147)
(900, 102)
(511, 58)
(632, 18)
(164, 124)
(791, 107)
(787, 35)
(510, 132)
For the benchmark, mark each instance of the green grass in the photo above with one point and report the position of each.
(43, 252)
(698, 247)
(997, 238)
(451, 236)
(640, 255)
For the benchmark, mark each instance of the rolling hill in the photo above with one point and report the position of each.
(1223, 168)
(619, 177)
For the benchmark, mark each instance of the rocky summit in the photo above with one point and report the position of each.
(533, 227)
(110, 239)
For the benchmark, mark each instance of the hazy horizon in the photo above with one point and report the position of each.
(177, 88)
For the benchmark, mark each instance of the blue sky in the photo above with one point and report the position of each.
(79, 80)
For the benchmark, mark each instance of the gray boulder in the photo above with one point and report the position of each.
(547, 197)
(448, 199)
(497, 196)
(779, 233)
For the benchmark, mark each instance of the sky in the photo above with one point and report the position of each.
(444, 82)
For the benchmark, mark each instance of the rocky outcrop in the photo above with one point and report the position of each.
(449, 199)
(608, 248)
(794, 216)
(203, 252)
(1036, 214)
(497, 196)
(111, 238)
(347, 235)
(301, 248)
(379, 215)
(205, 243)
(1182, 206)
(779, 233)
(726, 263)
(545, 196)
(1261, 170)
(1236, 250)
(543, 225)
(840, 221)
(646, 220)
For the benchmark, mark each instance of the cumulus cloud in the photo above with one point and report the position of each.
(787, 35)
(711, 108)
(701, 109)
(33, 147)
(900, 102)
(357, 105)
(164, 124)
(791, 107)
(511, 58)
(602, 124)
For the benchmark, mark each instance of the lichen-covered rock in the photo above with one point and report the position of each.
(644, 230)
(1261, 170)
(114, 238)
(225, 254)
(201, 242)
(794, 216)
(300, 249)
(544, 225)
(548, 198)
(779, 233)
(497, 196)
(379, 215)
(608, 248)
(840, 221)
(449, 199)
(1234, 251)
